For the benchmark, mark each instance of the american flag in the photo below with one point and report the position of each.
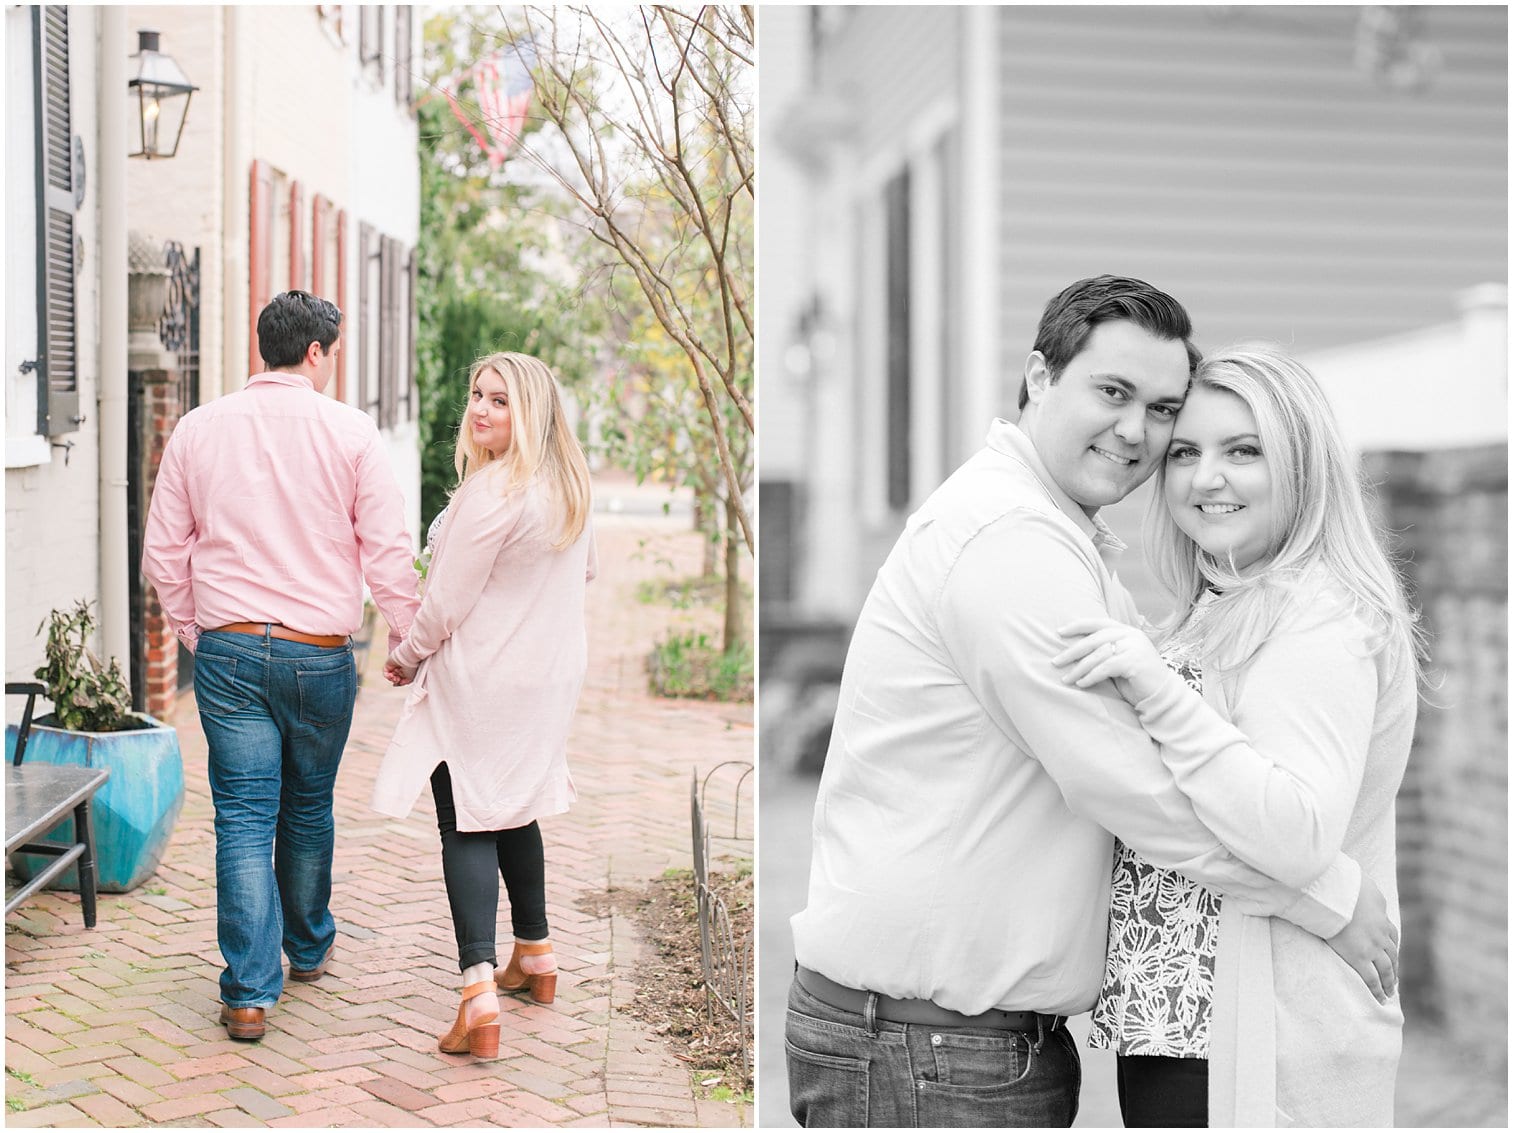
(504, 87)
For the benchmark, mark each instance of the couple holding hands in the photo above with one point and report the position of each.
(272, 506)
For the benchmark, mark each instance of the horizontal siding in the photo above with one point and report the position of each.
(1240, 160)
(896, 61)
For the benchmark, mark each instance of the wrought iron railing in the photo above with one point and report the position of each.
(726, 960)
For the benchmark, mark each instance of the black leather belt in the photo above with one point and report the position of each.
(922, 1011)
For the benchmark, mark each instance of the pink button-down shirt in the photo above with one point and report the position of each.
(273, 504)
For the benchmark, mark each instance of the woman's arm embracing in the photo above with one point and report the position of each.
(1306, 704)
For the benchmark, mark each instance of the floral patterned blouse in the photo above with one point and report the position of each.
(1162, 938)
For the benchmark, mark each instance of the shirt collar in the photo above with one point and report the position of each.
(1011, 440)
(281, 378)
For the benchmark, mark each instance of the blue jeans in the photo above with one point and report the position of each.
(276, 715)
(843, 1074)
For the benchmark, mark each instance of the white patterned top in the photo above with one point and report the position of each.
(1157, 992)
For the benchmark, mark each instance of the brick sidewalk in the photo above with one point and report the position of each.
(116, 1026)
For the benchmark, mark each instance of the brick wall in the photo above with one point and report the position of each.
(1451, 508)
(161, 410)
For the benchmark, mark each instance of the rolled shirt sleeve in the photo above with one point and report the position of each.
(1089, 740)
(384, 552)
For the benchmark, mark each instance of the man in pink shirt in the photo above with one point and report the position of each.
(271, 507)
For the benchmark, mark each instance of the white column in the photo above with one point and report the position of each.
(982, 361)
(235, 206)
(110, 160)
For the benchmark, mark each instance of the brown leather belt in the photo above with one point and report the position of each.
(921, 1011)
(273, 629)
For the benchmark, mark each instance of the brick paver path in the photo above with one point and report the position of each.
(116, 1026)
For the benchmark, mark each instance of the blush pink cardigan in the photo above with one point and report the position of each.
(501, 651)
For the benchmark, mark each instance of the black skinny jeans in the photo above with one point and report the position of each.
(472, 864)
(1158, 1092)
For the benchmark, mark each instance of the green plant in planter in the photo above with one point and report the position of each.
(87, 696)
(92, 725)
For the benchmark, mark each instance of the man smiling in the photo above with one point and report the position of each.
(959, 892)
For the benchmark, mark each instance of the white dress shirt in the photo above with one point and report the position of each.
(962, 851)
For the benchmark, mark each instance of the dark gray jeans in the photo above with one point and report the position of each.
(841, 1074)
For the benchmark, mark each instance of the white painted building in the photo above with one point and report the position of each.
(932, 175)
(298, 167)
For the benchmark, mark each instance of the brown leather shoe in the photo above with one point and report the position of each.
(481, 1040)
(316, 972)
(514, 978)
(244, 1023)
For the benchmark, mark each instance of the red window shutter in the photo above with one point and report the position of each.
(341, 303)
(296, 236)
(320, 207)
(260, 259)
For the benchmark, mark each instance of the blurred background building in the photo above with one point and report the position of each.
(1331, 179)
(133, 283)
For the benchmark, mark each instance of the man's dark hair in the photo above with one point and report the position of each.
(290, 322)
(1071, 316)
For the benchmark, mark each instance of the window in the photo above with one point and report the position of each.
(299, 276)
(906, 263)
(386, 321)
(270, 256)
(327, 280)
(404, 61)
(896, 324)
(370, 37)
(57, 365)
(369, 282)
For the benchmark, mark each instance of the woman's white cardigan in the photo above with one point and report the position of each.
(1296, 1038)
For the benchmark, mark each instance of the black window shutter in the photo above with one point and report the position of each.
(366, 299)
(896, 203)
(386, 328)
(412, 399)
(404, 89)
(58, 374)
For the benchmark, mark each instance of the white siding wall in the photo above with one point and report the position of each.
(182, 199)
(52, 542)
(278, 86)
(1238, 159)
(898, 71)
(782, 53)
(383, 168)
(895, 61)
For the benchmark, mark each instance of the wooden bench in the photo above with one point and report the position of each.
(40, 798)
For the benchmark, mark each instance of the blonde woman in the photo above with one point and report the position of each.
(1294, 625)
(496, 658)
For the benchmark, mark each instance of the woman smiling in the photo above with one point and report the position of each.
(1292, 625)
(497, 656)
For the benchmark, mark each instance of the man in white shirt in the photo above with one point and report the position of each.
(958, 897)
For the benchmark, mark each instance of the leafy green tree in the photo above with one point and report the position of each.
(652, 114)
(635, 166)
(483, 283)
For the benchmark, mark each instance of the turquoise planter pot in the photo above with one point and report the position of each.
(133, 814)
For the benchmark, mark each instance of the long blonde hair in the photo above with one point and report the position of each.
(1321, 522)
(542, 444)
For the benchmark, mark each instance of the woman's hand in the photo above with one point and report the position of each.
(1105, 649)
(1369, 942)
(396, 674)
